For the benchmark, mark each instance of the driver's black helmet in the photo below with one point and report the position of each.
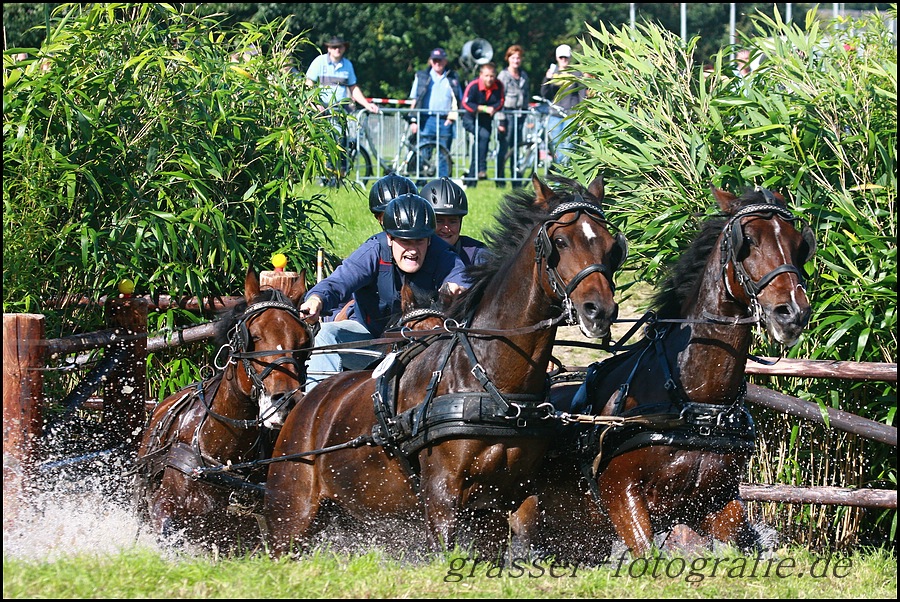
(409, 216)
(446, 196)
(387, 188)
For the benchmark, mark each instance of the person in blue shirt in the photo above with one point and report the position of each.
(450, 206)
(337, 78)
(437, 93)
(407, 250)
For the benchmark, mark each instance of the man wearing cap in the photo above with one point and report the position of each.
(574, 94)
(407, 250)
(337, 78)
(436, 93)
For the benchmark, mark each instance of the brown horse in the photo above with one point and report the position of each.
(452, 435)
(679, 438)
(228, 418)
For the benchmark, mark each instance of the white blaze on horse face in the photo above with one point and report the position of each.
(589, 233)
(787, 335)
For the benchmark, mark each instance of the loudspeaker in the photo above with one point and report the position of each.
(475, 53)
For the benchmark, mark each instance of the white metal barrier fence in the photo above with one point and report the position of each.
(381, 143)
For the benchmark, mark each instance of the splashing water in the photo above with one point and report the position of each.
(75, 511)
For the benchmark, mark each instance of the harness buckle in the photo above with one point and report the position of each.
(705, 430)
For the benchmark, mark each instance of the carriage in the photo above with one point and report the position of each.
(465, 426)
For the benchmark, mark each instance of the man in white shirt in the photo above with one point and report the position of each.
(337, 78)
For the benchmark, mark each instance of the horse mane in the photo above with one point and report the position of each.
(516, 218)
(228, 319)
(685, 275)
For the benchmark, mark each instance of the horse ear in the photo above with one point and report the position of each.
(298, 288)
(251, 285)
(407, 297)
(542, 193)
(596, 188)
(808, 249)
(725, 199)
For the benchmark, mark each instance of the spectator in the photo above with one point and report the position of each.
(517, 88)
(574, 94)
(437, 93)
(414, 254)
(482, 99)
(450, 206)
(337, 78)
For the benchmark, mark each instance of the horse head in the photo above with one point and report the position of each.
(569, 244)
(422, 310)
(762, 256)
(272, 341)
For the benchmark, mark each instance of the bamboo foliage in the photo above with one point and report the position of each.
(816, 120)
(148, 143)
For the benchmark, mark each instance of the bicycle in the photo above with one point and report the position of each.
(413, 159)
(359, 160)
(534, 147)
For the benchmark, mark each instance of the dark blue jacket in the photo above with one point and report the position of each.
(472, 252)
(371, 278)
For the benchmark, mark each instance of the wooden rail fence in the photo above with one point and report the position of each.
(122, 372)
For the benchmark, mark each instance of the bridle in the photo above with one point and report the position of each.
(236, 349)
(731, 249)
(543, 250)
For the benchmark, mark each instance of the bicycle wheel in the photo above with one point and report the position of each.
(360, 162)
(422, 165)
(527, 160)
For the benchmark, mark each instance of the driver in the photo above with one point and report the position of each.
(407, 250)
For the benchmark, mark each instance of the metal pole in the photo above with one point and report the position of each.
(684, 22)
(732, 38)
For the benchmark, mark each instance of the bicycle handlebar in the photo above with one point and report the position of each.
(551, 104)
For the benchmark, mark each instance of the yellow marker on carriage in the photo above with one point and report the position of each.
(126, 287)
(279, 261)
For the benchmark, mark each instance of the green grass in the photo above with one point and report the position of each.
(139, 574)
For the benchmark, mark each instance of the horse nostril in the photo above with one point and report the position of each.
(790, 313)
(594, 311)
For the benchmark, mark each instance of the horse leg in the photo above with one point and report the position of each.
(627, 509)
(525, 524)
(730, 525)
(291, 507)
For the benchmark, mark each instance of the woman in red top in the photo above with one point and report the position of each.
(482, 99)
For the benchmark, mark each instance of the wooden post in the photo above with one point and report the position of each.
(279, 280)
(23, 382)
(125, 391)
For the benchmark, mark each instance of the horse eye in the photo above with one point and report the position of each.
(560, 243)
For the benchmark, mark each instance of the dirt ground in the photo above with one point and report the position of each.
(631, 308)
